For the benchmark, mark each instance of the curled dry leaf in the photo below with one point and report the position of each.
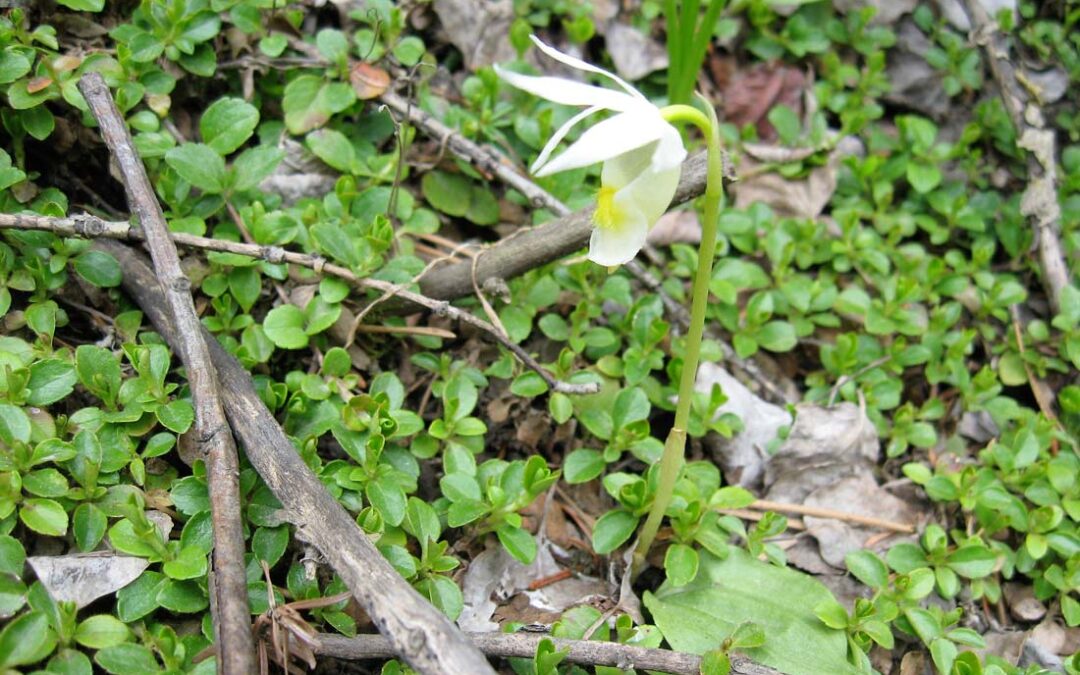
(85, 577)
(368, 81)
(803, 198)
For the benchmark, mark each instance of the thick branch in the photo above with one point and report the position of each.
(232, 618)
(1040, 200)
(416, 631)
(536, 246)
(523, 645)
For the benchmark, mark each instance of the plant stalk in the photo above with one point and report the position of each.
(675, 445)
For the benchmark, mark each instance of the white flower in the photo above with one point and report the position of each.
(642, 155)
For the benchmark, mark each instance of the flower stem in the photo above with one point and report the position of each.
(672, 459)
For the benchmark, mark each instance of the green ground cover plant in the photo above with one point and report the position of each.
(912, 293)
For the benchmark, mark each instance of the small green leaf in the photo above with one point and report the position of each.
(227, 124)
(612, 530)
(528, 384)
(189, 563)
(177, 415)
(583, 465)
(50, 380)
(199, 165)
(832, 614)
(284, 325)
(681, 564)
(99, 268)
(12, 556)
(101, 631)
(867, 568)
(269, 543)
(84, 5)
(44, 516)
(127, 659)
(182, 597)
(139, 598)
(88, 524)
(447, 192)
(518, 542)
(715, 662)
(255, 164)
(26, 639)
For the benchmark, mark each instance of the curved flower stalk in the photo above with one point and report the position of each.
(641, 154)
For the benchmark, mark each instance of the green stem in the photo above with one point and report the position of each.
(675, 446)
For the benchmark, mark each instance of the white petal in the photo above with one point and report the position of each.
(568, 92)
(614, 246)
(620, 134)
(575, 62)
(557, 137)
(649, 194)
(618, 172)
(670, 152)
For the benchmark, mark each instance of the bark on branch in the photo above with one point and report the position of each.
(1040, 200)
(523, 645)
(232, 618)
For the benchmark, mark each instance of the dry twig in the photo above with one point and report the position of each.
(1040, 200)
(417, 632)
(232, 620)
(523, 645)
(93, 227)
(817, 512)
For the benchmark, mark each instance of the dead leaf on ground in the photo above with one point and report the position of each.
(1023, 605)
(861, 496)
(750, 94)
(803, 198)
(676, 227)
(1057, 638)
(886, 11)
(742, 457)
(480, 29)
(634, 53)
(915, 84)
(85, 577)
(300, 174)
(497, 585)
(956, 14)
(368, 81)
(825, 445)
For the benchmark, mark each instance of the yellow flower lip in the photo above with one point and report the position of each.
(607, 215)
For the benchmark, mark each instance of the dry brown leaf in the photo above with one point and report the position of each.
(743, 456)
(85, 577)
(1023, 605)
(37, 84)
(634, 53)
(676, 227)
(480, 29)
(861, 496)
(751, 93)
(368, 81)
(825, 445)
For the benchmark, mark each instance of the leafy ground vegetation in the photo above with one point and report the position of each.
(916, 511)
